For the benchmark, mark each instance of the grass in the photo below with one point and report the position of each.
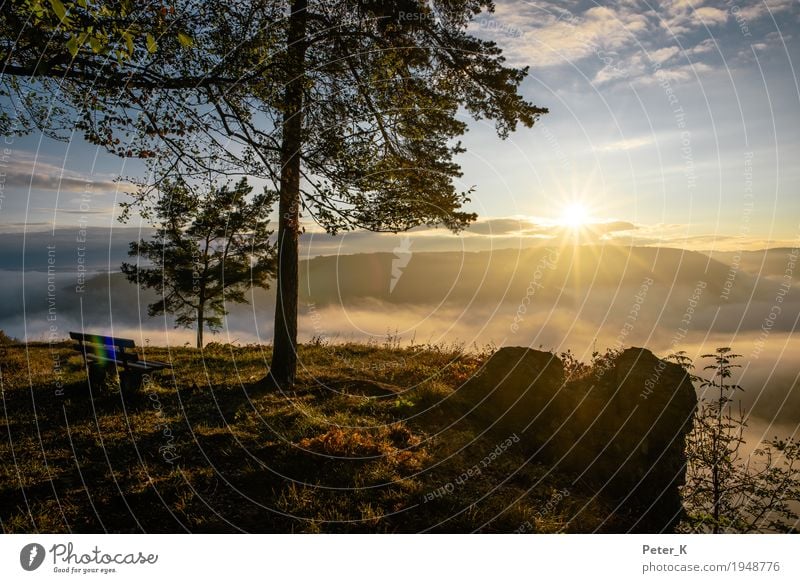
(364, 442)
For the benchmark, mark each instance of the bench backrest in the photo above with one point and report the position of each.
(108, 343)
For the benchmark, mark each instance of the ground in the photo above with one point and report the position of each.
(369, 440)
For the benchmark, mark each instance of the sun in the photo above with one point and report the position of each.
(575, 216)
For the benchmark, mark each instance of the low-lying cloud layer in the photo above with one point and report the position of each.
(583, 299)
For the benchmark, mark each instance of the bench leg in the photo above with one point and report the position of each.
(97, 375)
(130, 380)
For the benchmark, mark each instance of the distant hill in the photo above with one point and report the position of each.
(764, 262)
(104, 249)
(507, 273)
(592, 280)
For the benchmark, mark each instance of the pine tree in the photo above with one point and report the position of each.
(209, 249)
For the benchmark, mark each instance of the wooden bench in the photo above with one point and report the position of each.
(102, 354)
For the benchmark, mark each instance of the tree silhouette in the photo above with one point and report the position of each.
(208, 250)
(367, 121)
(352, 109)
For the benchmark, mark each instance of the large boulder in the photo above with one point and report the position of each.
(513, 386)
(619, 429)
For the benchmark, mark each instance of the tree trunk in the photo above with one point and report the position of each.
(284, 355)
(200, 325)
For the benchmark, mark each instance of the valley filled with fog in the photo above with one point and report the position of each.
(578, 298)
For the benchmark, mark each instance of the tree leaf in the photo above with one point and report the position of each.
(185, 40)
(73, 46)
(151, 43)
(129, 43)
(96, 45)
(59, 10)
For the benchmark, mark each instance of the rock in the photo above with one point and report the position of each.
(620, 430)
(513, 386)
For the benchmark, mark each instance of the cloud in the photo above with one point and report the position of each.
(681, 236)
(485, 234)
(505, 226)
(491, 233)
(703, 47)
(625, 144)
(35, 225)
(106, 211)
(613, 227)
(749, 13)
(674, 74)
(31, 172)
(62, 183)
(710, 15)
(622, 41)
(682, 17)
(528, 232)
(554, 35)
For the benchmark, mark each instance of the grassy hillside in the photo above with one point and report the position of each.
(368, 442)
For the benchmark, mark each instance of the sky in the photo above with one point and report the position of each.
(673, 116)
(674, 123)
